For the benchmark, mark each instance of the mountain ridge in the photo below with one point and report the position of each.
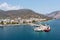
(23, 13)
(55, 14)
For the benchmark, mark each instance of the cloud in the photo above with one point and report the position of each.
(5, 6)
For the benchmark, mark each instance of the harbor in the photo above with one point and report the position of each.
(20, 21)
(27, 32)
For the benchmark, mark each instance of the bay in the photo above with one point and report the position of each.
(26, 32)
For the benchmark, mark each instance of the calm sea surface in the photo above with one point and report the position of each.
(26, 32)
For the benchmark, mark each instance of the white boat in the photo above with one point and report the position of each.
(45, 28)
(38, 29)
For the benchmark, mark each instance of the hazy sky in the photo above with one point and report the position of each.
(40, 6)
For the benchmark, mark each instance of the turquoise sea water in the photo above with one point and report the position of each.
(26, 32)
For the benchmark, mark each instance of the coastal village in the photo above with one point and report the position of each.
(19, 20)
(30, 21)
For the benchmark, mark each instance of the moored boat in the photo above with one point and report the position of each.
(37, 29)
(44, 28)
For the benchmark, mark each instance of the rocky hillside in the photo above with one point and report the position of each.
(23, 13)
(55, 14)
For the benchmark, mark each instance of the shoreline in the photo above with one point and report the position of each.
(14, 24)
(2, 25)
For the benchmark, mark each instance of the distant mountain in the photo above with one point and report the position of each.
(23, 13)
(2, 14)
(55, 14)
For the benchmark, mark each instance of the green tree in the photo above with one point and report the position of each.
(33, 21)
(2, 22)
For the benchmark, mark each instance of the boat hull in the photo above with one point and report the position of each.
(38, 30)
(47, 30)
